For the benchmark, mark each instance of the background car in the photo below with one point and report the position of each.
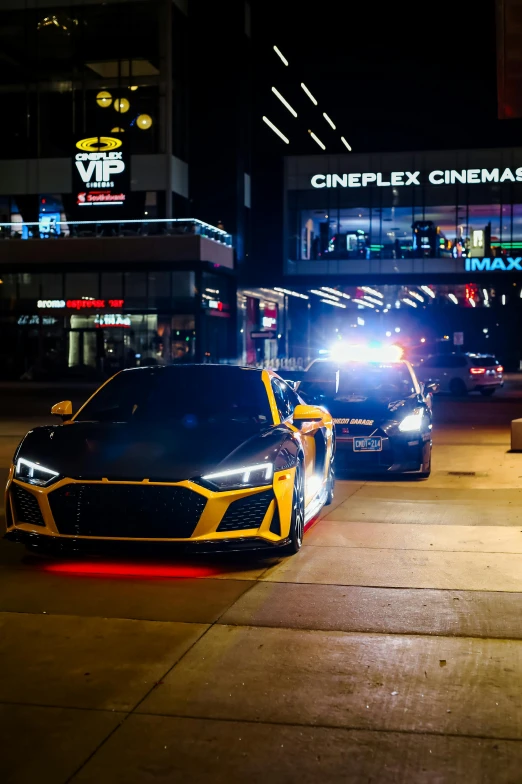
(382, 415)
(459, 374)
(206, 455)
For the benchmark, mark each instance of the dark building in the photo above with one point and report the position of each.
(108, 258)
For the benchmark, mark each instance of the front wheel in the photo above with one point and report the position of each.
(487, 391)
(297, 521)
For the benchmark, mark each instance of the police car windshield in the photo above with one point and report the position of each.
(357, 380)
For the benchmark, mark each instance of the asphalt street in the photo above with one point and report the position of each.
(388, 650)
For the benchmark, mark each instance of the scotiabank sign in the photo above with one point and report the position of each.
(100, 172)
(400, 178)
(494, 265)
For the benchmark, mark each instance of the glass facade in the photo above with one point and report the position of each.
(90, 69)
(446, 206)
(95, 323)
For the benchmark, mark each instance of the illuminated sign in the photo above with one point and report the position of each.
(100, 172)
(50, 303)
(399, 178)
(112, 320)
(79, 304)
(494, 265)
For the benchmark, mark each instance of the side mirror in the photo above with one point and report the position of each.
(63, 410)
(304, 415)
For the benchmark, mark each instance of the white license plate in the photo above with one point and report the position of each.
(367, 444)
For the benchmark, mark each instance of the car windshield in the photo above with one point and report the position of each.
(189, 395)
(484, 362)
(357, 381)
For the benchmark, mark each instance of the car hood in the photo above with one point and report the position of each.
(370, 411)
(121, 451)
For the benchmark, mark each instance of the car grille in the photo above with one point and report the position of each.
(26, 506)
(246, 512)
(126, 510)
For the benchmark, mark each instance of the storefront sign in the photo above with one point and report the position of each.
(50, 304)
(100, 172)
(435, 177)
(112, 320)
(494, 265)
(79, 304)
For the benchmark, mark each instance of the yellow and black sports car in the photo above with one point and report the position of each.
(214, 456)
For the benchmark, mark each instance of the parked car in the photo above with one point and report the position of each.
(459, 374)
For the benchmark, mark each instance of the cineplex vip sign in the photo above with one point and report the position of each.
(100, 172)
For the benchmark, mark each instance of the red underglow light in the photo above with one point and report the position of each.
(126, 569)
(311, 522)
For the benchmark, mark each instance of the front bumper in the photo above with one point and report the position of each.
(88, 514)
(400, 454)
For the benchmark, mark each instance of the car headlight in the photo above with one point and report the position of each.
(412, 421)
(34, 473)
(239, 478)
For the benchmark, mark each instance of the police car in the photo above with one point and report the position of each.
(382, 414)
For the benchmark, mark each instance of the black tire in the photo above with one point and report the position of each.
(487, 391)
(458, 387)
(330, 483)
(298, 507)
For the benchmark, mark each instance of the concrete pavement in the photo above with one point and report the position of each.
(388, 650)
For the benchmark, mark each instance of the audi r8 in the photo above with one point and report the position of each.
(217, 457)
(382, 415)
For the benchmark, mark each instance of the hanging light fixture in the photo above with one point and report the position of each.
(144, 121)
(121, 105)
(104, 99)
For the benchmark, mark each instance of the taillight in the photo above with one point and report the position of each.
(500, 369)
(477, 371)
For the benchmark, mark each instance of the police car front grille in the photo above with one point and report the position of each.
(126, 510)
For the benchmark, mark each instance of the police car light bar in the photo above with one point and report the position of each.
(343, 352)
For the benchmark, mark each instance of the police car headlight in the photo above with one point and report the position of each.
(34, 473)
(239, 478)
(412, 421)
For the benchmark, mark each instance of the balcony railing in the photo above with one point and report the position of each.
(48, 228)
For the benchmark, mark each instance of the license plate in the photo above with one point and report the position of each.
(368, 444)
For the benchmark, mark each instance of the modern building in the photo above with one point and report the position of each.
(393, 242)
(109, 256)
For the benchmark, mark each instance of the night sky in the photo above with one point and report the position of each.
(396, 76)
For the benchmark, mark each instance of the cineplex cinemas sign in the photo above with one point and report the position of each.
(398, 178)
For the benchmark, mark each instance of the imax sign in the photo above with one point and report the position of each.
(494, 265)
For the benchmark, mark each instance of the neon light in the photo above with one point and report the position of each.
(346, 143)
(309, 94)
(317, 140)
(284, 102)
(335, 304)
(329, 121)
(280, 55)
(276, 130)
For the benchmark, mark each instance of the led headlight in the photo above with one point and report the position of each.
(412, 421)
(238, 478)
(34, 473)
